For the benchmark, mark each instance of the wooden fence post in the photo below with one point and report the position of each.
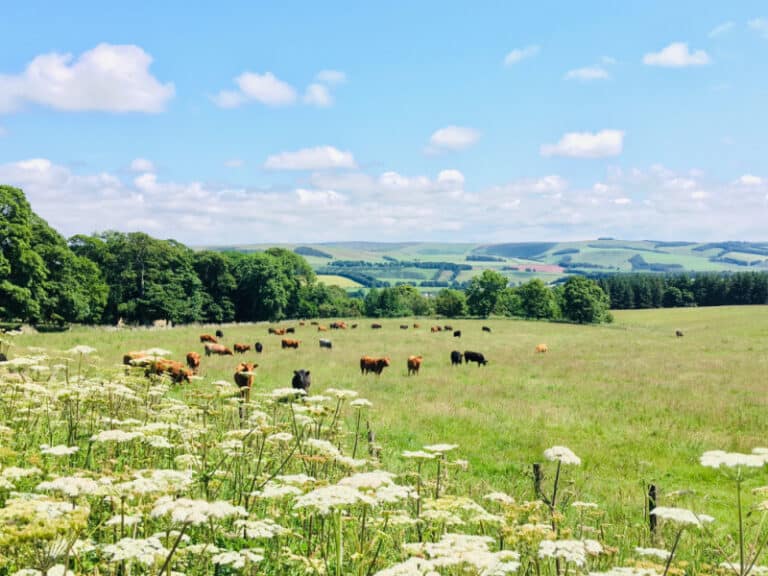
(651, 506)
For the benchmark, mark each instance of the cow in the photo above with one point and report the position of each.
(436, 329)
(474, 357)
(486, 329)
(403, 326)
(193, 361)
(175, 370)
(208, 338)
(219, 334)
(338, 325)
(679, 333)
(290, 330)
(375, 325)
(448, 327)
(313, 323)
(242, 348)
(258, 347)
(321, 328)
(375, 365)
(457, 333)
(302, 323)
(416, 325)
(414, 363)
(541, 348)
(130, 356)
(244, 379)
(353, 326)
(325, 343)
(288, 343)
(219, 349)
(301, 380)
(456, 357)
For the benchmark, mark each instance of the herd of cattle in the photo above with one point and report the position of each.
(178, 372)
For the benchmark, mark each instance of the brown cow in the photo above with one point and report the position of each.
(219, 349)
(541, 348)
(414, 363)
(244, 379)
(133, 356)
(416, 325)
(338, 325)
(436, 329)
(174, 369)
(208, 338)
(242, 348)
(288, 343)
(375, 365)
(193, 361)
(321, 328)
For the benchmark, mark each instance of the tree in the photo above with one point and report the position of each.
(214, 270)
(584, 301)
(537, 301)
(451, 303)
(262, 288)
(484, 291)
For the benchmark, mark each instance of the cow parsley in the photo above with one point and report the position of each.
(147, 551)
(653, 552)
(569, 550)
(718, 458)
(323, 500)
(562, 454)
(238, 559)
(681, 516)
(60, 450)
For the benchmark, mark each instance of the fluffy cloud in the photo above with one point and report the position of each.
(520, 54)
(265, 88)
(318, 95)
(319, 158)
(110, 78)
(587, 73)
(452, 138)
(587, 144)
(331, 77)
(759, 25)
(142, 165)
(721, 29)
(750, 180)
(676, 55)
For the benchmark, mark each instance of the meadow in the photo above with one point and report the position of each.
(637, 404)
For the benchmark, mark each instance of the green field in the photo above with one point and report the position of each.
(636, 403)
(340, 281)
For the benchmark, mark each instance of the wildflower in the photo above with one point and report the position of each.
(15, 473)
(273, 491)
(361, 403)
(627, 571)
(158, 441)
(718, 458)
(499, 497)
(569, 550)
(350, 462)
(368, 480)
(322, 447)
(127, 520)
(562, 454)
(441, 448)
(286, 393)
(654, 552)
(296, 479)
(418, 455)
(188, 511)
(342, 394)
(57, 570)
(756, 570)
(60, 450)
(70, 486)
(118, 436)
(410, 567)
(256, 529)
(593, 547)
(584, 505)
(323, 500)
(187, 461)
(681, 516)
(238, 559)
(81, 349)
(147, 551)
(280, 437)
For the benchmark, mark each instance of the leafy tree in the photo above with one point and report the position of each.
(451, 303)
(262, 288)
(412, 300)
(214, 270)
(537, 301)
(484, 291)
(584, 301)
(510, 303)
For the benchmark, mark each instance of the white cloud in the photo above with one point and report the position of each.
(318, 158)
(331, 77)
(234, 163)
(676, 55)
(587, 73)
(318, 95)
(721, 29)
(142, 165)
(264, 88)
(519, 54)
(319, 198)
(452, 138)
(109, 78)
(587, 144)
(750, 180)
(759, 25)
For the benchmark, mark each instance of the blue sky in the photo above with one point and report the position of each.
(303, 121)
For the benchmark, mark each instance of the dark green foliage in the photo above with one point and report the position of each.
(485, 258)
(451, 303)
(536, 300)
(398, 301)
(309, 251)
(583, 301)
(214, 270)
(484, 291)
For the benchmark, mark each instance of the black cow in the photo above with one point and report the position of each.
(375, 326)
(448, 327)
(301, 380)
(457, 333)
(474, 357)
(219, 334)
(403, 326)
(3, 357)
(456, 358)
(290, 330)
(679, 333)
(486, 329)
(258, 347)
(325, 343)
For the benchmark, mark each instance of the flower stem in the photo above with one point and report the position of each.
(672, 552)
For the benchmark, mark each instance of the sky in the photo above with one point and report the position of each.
(297, 122)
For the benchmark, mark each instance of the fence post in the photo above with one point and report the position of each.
(538, 476)
(651, 506)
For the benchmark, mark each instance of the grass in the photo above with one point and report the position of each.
(340, 281)
(637, 404)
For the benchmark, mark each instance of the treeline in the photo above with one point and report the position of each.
(627, 291)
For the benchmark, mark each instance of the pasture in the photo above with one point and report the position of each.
(637, 404)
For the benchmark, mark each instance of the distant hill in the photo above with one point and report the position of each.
(431, 265)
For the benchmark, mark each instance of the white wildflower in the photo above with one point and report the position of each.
(681, 516)
(718, 458)
(238, 559)
(70, 486)
(654, 552)
(280, 437)
(418, 455)
(349, 462)
(361, 403)
(321, 447)
(562, 454)
(274, 491)
(60, 450)
(196, 512)
(15, 473)
(627, 571)
(593, 547)
(147, 551)
(118, 436)
(286, 393)
(127, 520)
(500, 497)
(158, 441)
(81, 349)
(341, 393)
(257, 529)
(368, 480)
(323, 500)
(441, 448)
(296, 479)
(568, 550)
(584, 505)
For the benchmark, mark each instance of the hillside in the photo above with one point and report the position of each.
(429, 265)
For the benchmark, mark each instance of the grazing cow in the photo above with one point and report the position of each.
(3, 357)
(474, 357)
(403, 326)
(321, 328)
(375, 325)
(436, 329)
(456, 357)
(219, 334)
(541, 348)
(375, 365)
(193, 361)
(219, 349)
(288, 343)
(242, 348)
(338, 325)
(244, 379)
(302, 323)
(175, 370)
(130, 356)
(416, 325)
(486, 329)
(679, 333)
(325, 343)
(301, 380)
(457, 333)
(290, 330)
(258, 347)
(354, 326)
(414, 363)
(448, 327)
(208, 338)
